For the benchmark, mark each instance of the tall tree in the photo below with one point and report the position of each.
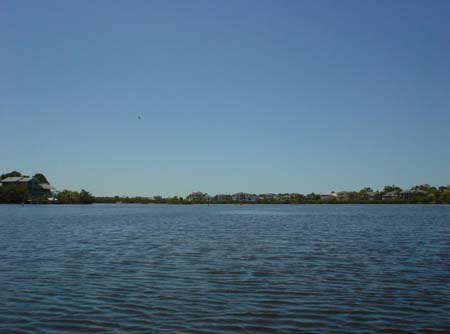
(387, 189)
(41, 178)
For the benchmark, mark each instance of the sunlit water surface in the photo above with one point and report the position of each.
(225, 269)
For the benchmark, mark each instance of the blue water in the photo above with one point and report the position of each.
(225, 269)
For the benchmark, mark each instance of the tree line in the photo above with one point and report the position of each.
(421, 194)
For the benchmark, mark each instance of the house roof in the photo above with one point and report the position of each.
(197, 193)
(46, 186)
(14, 179)
(391, 193)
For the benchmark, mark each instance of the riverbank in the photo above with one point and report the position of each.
(184, 202)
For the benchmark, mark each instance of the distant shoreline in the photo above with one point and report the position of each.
(243, 203)
(16, 188)
(218, 204)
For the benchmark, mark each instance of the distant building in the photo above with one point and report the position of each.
(372, 195)
(390, 195)
(267, 197)
(46, 186)
(198, 196)
(17, 180)
(222, 198)
(243, 197)
(328, 196)
(410, 194)
(407, 194)
(48, 189)
(296, 196)
(312, 197)
(344, 194)
(285, 197)
(35, 188)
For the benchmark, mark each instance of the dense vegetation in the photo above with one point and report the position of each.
(75, 197)
(14, 194)
(142, 200)
(423, 194)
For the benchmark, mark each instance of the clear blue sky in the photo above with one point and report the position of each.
(256, 96)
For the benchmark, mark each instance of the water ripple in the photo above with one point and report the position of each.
(224, 269)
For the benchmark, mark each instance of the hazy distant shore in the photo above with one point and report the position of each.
(16, 188)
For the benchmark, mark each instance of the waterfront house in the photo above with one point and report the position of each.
(243, 197)
(328, 196)
(45, 189)
(18, 180)
(410, 194)
(198, 196)
(345, 194)
(222, 198)
(285, 197)
(391, 195)
(35, 188)
(406, 194)
(372, 195)
(267, 197)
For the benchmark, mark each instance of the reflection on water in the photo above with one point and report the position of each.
(224, 269)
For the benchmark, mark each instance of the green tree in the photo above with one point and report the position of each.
(363, 193)
(85, 197)
(41, 178)
(14, 194)
(387, 189)
(74, 197)
(444, 196)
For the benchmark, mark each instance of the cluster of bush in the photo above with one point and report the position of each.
(14, 194)
(75, 197)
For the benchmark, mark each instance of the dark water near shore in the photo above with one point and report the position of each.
(225, 269)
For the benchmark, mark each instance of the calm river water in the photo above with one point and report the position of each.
(225, 269)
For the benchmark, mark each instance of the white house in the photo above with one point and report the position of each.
(390, 195)
(197, 196)
(328, 196)
(372, 195)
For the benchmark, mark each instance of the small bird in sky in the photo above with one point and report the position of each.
(139, 117)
